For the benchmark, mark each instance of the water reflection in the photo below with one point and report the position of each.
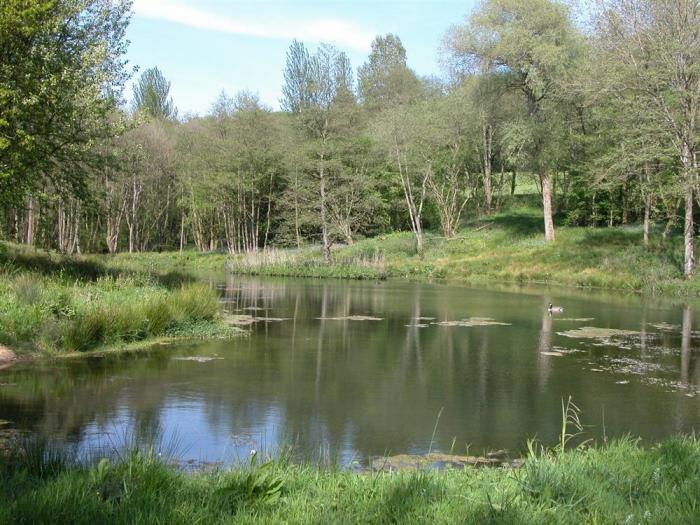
(359, 388)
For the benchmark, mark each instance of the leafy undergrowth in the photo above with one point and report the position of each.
(618, 483)
(54, 304)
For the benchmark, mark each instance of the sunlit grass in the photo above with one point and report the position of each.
(505, 247)
(622, 482)
(47, 305)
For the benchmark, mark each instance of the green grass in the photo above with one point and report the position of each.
(506, 247)
(618, 483)
(51, 304)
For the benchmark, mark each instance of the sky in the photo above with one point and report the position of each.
(206, 46)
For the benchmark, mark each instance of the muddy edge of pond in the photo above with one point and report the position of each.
(7, 357)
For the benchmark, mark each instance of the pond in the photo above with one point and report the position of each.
(345, 371)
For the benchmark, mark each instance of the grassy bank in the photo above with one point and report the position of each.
(618, 483)
(506, 247)
(51, 304)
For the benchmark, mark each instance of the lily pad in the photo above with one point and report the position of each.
(472, 321)
(351, 318)
(553, 354)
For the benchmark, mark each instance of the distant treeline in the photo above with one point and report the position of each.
(598, 112)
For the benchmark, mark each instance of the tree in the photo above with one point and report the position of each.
(61, 74)
(400, 133)
(446, 138)
(318, 90)
(385, 79)
(152, 95)
(657, 46)
(534, 46)
(297, 90)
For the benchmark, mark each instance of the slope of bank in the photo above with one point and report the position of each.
(507, 247)
(618, 483)
(55, 305)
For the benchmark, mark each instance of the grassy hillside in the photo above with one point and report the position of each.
(508, 247)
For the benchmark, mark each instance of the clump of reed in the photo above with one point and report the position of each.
(309, 262)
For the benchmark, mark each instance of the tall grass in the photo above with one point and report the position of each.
(48, 310)
(622, 482)
(309, 262)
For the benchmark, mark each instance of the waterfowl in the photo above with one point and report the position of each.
(554, 309)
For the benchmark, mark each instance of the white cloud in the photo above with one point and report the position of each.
(316, 30)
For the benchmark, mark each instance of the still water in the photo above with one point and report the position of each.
(494, 366)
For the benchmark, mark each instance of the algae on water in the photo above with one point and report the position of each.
(594, 332)
(197, 359)
(239, 319)
(351, 318)
(666, 327)
(472, 321)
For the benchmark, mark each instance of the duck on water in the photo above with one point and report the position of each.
(555, 309)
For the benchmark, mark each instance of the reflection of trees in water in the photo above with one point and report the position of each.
(544, 345)
(374, 386)
(686, 334)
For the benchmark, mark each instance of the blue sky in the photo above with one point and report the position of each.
(204, 46)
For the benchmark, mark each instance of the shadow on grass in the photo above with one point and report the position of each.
(611, 237)
(524, 223)
(18, 259)
(405, 499)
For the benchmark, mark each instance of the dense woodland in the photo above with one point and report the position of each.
(598, 112)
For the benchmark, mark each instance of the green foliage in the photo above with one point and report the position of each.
(61, 73)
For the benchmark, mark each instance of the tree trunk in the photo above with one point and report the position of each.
(487, 139)
(688, 234)
(420, 245)
(31, 222)
(547, 206)
(182, 233)
(324, 225)
(512, 184)
(689, 164)
(647, 217)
